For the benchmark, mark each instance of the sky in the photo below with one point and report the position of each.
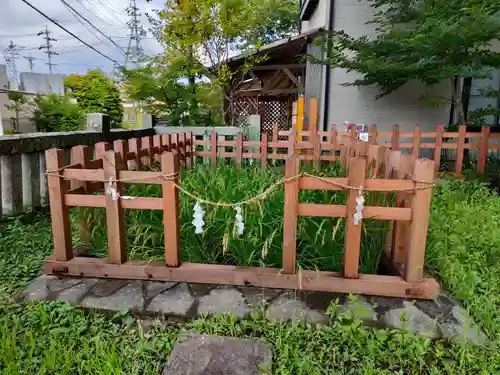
(20, 24)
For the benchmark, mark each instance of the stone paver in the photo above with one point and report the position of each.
(153, 288)
(288, 307)
(128, 298)
(464, 330)
(107, 287)
(57, 285)
(214, 355)
(228, 300)
(176, 301)
(411, 319)
(38, 289)
(360, 308)
(75, 293)
(256, 296)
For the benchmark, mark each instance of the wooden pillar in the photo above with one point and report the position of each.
(157, 144)
(170, 167)
(213, 149)
(263, 149)
(81, 155)
(395, 137)
(352, 241)
(416, 141)
(133, 146)
(115, 219)
(239, 149)
(373, 134)
(483, 149)
(290, 216)
(146, 146)
(437, 149)
(460, 150)
(121, 147)
(423, 170)
(59, 212)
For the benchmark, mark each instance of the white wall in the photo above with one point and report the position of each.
(358, 105)
(319, 18)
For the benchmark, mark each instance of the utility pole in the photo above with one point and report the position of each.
(13, 54)
(48, 46)
(30, 60)
(134, 49)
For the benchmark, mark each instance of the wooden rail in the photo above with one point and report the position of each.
(325, 146)
(100, 182)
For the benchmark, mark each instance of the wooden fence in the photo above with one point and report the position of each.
(370, 168)
(325, 146)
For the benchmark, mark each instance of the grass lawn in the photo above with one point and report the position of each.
(55, 338)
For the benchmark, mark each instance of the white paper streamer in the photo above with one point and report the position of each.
(240, 226)
(360, 204)
(111, 191)
(198, 218)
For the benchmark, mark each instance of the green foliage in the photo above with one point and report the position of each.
(54, 113)
(320, 241)
(96, 93)
(478, 116)
(17, 104)
(424, 40)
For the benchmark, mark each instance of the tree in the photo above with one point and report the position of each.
(56, 113)
(204, 34)
(430, 41)
(96, 93)
(18, 103)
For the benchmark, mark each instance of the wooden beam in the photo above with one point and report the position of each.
(292, 77)
(392, 286)
(278, 66)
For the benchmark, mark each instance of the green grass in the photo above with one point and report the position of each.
(320, 241)
(57, 339)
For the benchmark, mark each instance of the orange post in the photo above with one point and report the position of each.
(115, 219)
(290, 217)
(416, 141)
(352, 242)
(170, 168)
(59, 212)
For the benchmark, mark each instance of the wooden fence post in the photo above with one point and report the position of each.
(146, 146)
(373, 134)
(437, 149)
(189, 149)
(239, 149)
(395, 137)
(59, 212)
(276, 138)
(133, 146)
(416, 141)
(158, 145)
(80, 155)
(333, 141)
(165, 140)
(115, 219)
(354, 132)
(174, 142)
(423, 170)
(100, 150)
(460, 151)
(182, 149)
(290, 216)
(316, 141)
(213, 149)
(263, 149)
(483, 149)
(352, 242)
(170, 167)
(121, 147)
(292, 142)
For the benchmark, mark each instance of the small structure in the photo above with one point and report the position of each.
(270, 88)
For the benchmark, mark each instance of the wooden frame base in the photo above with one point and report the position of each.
(392, 286)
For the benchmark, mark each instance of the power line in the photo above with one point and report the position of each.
(92, 25)
(48, 46)
(13, 50)
(69, 32)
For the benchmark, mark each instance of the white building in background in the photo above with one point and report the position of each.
(358, 104)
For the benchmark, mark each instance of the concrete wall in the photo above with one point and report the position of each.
(358, 105)
(42, 83)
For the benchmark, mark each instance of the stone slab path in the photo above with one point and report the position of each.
(440, 318)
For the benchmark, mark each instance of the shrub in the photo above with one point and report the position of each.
(55, 113)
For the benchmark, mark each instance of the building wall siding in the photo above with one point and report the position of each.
(319, 18)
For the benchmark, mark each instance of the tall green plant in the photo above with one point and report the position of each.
(96, 93)
(430, 41)
(54, 113)
(17, 105)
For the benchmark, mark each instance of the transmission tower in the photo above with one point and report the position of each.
(48, 47)
(12, 52)
(30, 60)
(136, 32)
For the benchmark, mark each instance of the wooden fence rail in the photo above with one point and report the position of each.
(100, 182)
(325, 146)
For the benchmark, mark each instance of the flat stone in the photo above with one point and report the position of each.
(57, 285)
(107, 287)
(128, 298)
(411, 319)
(288, 307)
(153, 288)
(176, 301)
(38, 289)
(256, 296)
(225, 300)
(214, 355)
(77, 292)
(359, 308)
(464, 330)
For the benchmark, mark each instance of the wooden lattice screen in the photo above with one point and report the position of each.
(275, 110)
(244, 106)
